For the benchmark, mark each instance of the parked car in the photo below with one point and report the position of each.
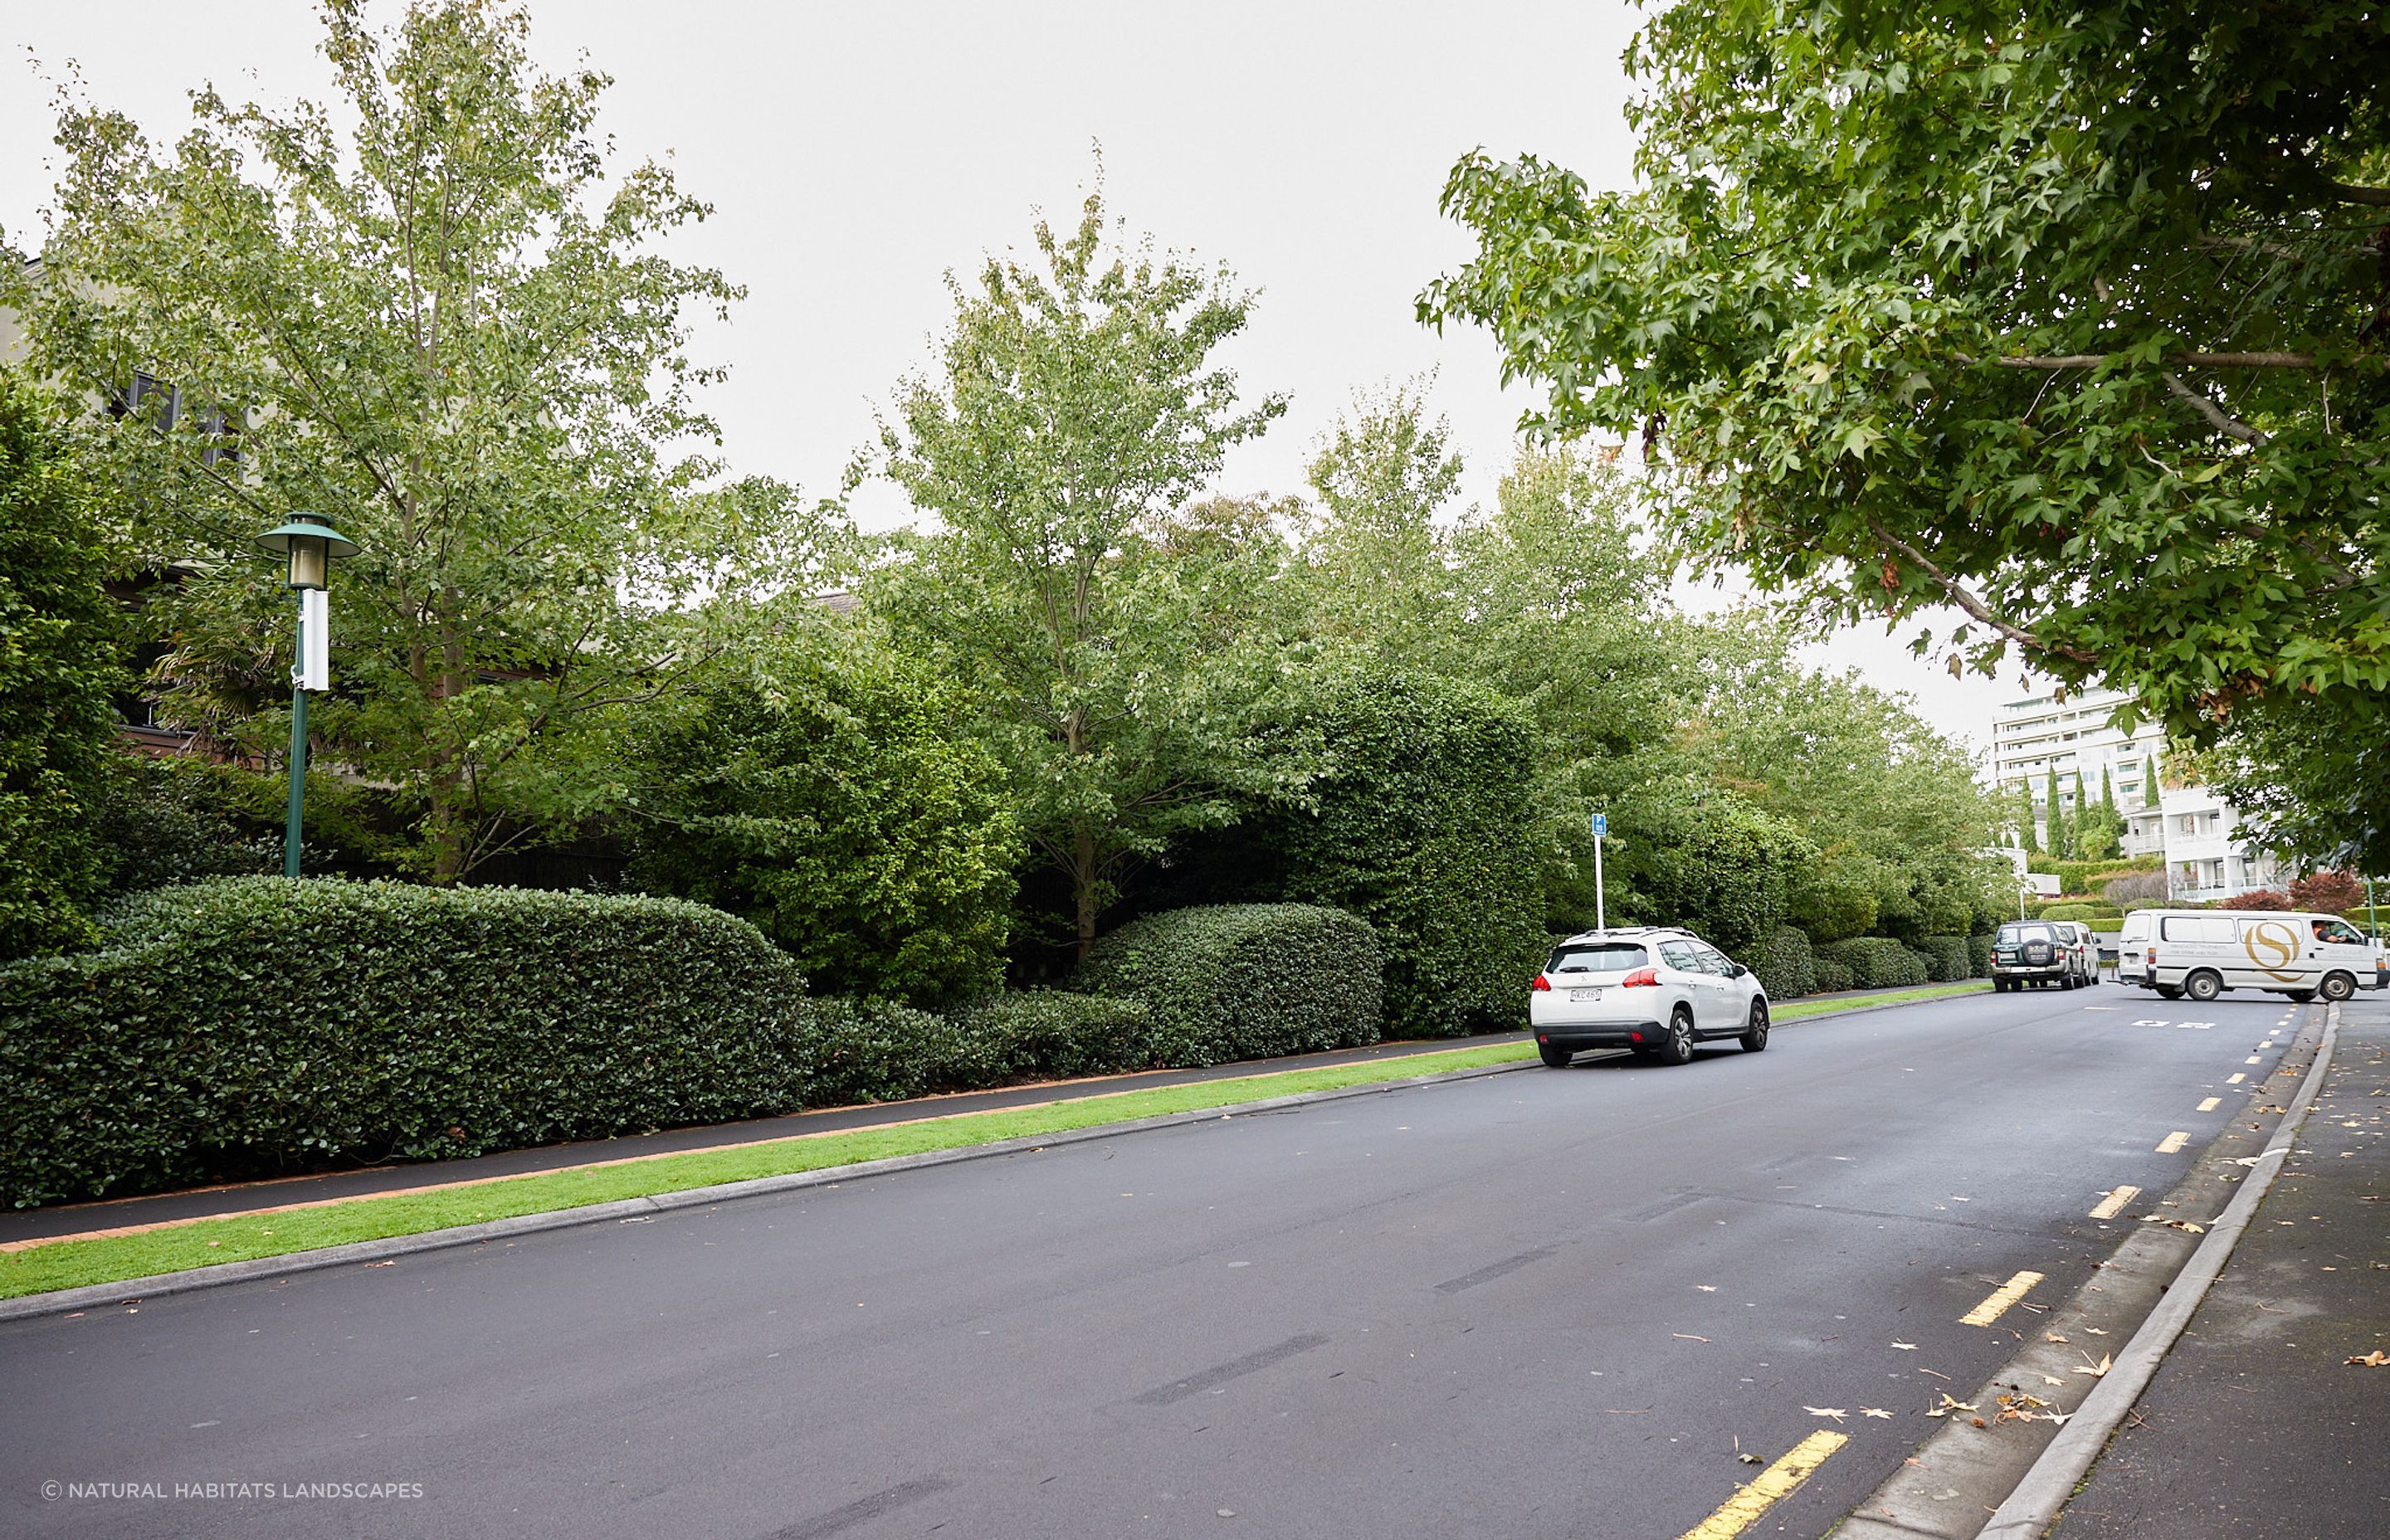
(2202, 952)
(2083, 950)
(1657, 989)
(2035, 952)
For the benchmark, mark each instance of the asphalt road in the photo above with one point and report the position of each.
(1542, 1303)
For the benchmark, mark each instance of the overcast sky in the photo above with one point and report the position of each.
(855, 152)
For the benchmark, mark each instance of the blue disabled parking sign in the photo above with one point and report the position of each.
(1601, 825)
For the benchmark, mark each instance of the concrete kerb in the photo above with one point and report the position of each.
(158, 1286)
(2035, 1502)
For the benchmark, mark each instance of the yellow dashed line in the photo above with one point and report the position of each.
(2211, 1104)
(1744, 1508)
(2114, 1204)
(2001, 1298)
(2251, 1059)
(2235, 1078)
(2173, 1142)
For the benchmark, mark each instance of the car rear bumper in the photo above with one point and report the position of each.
(1603, 1034)
(2059, 969)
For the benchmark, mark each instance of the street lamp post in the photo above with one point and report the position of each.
(310, 543)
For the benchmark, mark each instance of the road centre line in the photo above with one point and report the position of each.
(2173, 1142)
(1997, 1306)
(2211, 1104)
(2251, 1059)
(1745, 1507)
(2235, 1078)
(2114, 1204)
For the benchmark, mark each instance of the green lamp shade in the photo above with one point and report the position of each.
(279, 538)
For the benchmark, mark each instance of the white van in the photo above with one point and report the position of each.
(2203, 953)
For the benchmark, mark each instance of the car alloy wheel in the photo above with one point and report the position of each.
(1755, 1034)
(1676, 1046)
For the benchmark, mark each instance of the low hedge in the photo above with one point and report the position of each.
(1878, 962)
(1979, 956)
(243, 1026)
(876, 1050)
(2101, 916)
(1948, 960)
(1243, 981)
(1786, 965)
(1833, 976)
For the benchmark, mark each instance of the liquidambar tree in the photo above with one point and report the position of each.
(432, 310)
(2072, 316)
(1075, 412)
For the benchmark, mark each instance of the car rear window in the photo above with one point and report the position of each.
(1609, 957)
(2017, 935)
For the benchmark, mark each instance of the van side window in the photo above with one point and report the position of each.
(2196, 928)
(2341, 934)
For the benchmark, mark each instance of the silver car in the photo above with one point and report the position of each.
(1657, 989)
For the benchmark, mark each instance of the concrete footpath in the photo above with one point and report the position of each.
(2257, 1427)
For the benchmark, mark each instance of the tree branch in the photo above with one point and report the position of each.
(2217, 417)
(2378, 197)
(1966, 599)
(2191, 360)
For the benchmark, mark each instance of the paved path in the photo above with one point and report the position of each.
(2255, 1428)
(1548, 1304)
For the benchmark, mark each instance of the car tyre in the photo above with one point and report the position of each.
(2202, 986)
(1554, 1059)
(1755, 1034)
(1677, 1043)
(2338, 987)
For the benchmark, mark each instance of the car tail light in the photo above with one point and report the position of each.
(2152, 958)
(1541, 983)
(1640, 976)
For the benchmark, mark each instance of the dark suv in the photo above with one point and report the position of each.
(2032, 951)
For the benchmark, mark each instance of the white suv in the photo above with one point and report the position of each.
(1655, 989)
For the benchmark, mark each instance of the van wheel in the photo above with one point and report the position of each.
(1755, 1034)
(1677, 1045)
(1554, 1059)
(2338, 987)
(2202, 986)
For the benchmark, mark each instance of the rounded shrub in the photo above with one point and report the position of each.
(1947, 958)
(1878, 962)
(1786, 966)
(247, 1025)
(1833, 976)
(1230, 982)
(1979, 956)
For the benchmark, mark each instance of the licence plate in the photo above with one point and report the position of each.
(1585, 995)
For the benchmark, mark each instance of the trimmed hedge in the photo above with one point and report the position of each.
(248, 1026)
(1786, 966)
(1834, 976)
(876, 1050)
(1979, 956)
(1230, 982)
(1878, 962)
(1948, 960)
(2102, 917)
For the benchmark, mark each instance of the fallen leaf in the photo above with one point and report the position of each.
(1945, 1405)
(2051, 1380)
(1905, 1347)
(2097, 1331)
(2377, 1359)
(2107, 1361)
(1706, 1288)
(1751, 1460)
(1687, 1336)
(2051, 1336)
(1873, 1411)
(1834, 1412)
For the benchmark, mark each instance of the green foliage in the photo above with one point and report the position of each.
(2100, 916)
(1077, 412)
(1423, 823)
(827, 795)
(248, 1026)
(1948, 959)
(1721, 868)
(877, 1051)
(2086, 877)
(435, 310)
(1833, 976)
(1786, 967)
(59, 635)
(1979, 956)
(2028, 307)
(1243, 981)
(1876, 962)
(2149, 797)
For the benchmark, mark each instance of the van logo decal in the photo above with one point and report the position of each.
(2279, 946)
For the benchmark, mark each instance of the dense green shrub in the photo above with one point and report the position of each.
(58, 670)
(2084, 877)
(1948, 959)
(1786, 967)
(875, 1050)
(1833, 976)
(1877, 962)
(830, 799)
(2101, 916)
(1051, 1035)
(1424, 826)
(247, 1025)
(1724, 869)
(1245, 981)
(1979, 956)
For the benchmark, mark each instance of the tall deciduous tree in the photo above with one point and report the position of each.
(2072, 316)
(1077, 409)
(433, 311)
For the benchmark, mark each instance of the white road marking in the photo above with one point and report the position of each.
(2235, 1078)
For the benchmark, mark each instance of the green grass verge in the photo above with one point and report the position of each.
(113, 1259)
(1800, 1008)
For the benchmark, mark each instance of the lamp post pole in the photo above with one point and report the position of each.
(310, 543)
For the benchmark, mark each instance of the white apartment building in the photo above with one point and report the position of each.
(2195, 832)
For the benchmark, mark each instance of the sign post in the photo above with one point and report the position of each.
(1601, 828)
